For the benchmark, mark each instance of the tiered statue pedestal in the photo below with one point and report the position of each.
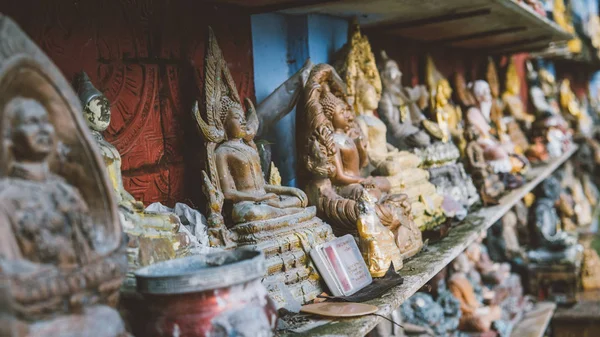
(555, 282)
(582, 319)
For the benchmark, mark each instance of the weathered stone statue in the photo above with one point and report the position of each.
(62, 256)
(333, 151)
(357, 67)
(242, 208)
(550, 127)
(500, 156)
(153, 237)
(551, 244)
(475, 316)
(487, 181)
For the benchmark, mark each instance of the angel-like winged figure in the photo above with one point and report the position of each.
(250, 211)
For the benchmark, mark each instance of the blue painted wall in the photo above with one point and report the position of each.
(281, 44)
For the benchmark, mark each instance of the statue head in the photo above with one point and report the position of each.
(337, 111)
(367, 96)
(461, 263)
(233, 119)
(30, 136)
(390, 72)
(483, 96)
(96, 108)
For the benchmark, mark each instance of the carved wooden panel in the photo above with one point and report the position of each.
(147, 56)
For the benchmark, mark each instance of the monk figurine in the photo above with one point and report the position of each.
(357, 66)
(241, 205)
(487, 181)
(475, 316)
(333, 151)
(153, 237)
(62, 258)
(500, 156)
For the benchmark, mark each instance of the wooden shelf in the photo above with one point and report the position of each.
(535, 322)
(494, 25)
(423, 267)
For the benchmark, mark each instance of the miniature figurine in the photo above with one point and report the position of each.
(62, 255)
(153, 237)
(400, 168)
(333, 151)
(578, 117)
(242, 207)
(475, 316)
(487, 181)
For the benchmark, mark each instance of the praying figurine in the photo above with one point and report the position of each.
(62, 258)
(333, 151)
(242, 206)
(357, 67)
(153, 237)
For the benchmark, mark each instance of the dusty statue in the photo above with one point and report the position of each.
(475, 317)
(62, 258)
(333, 151)
(153, 237)
(243, 208)
(356, 65)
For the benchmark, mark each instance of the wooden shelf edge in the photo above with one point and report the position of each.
(535, 322)
(420, 269)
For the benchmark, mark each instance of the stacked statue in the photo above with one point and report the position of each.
(400, 168)
(242, 209)
(62, 258)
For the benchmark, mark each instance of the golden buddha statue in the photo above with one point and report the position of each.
(153, 237)
(61, 244)
(573, 112)
(241, 205)
(447, 115)
(357, 67)
(333, 151)
(562, 16)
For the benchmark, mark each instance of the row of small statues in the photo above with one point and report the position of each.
(64, 208)
(483, 289)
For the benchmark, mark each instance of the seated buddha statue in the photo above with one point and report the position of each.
(334, 150)
(501, 156)
(486, 180)
(550, 244)
(579, 119)
(62, 258)
(270, 218)
(402, 107)
(549, 127)
(400, 168)
(475, 317)
(153, 237)
(447, 115)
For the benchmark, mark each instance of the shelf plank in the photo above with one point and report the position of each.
(420, 269)
(535, 322)
(470, 24)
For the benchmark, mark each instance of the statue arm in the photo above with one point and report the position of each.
(341, 178)
(286, 190)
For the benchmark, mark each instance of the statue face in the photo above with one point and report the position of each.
(235, 123)
(97, 113)
(369, 97)
(392, 72)
(32, 133)
(342, 118)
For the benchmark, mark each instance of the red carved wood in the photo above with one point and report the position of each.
(147, 56)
